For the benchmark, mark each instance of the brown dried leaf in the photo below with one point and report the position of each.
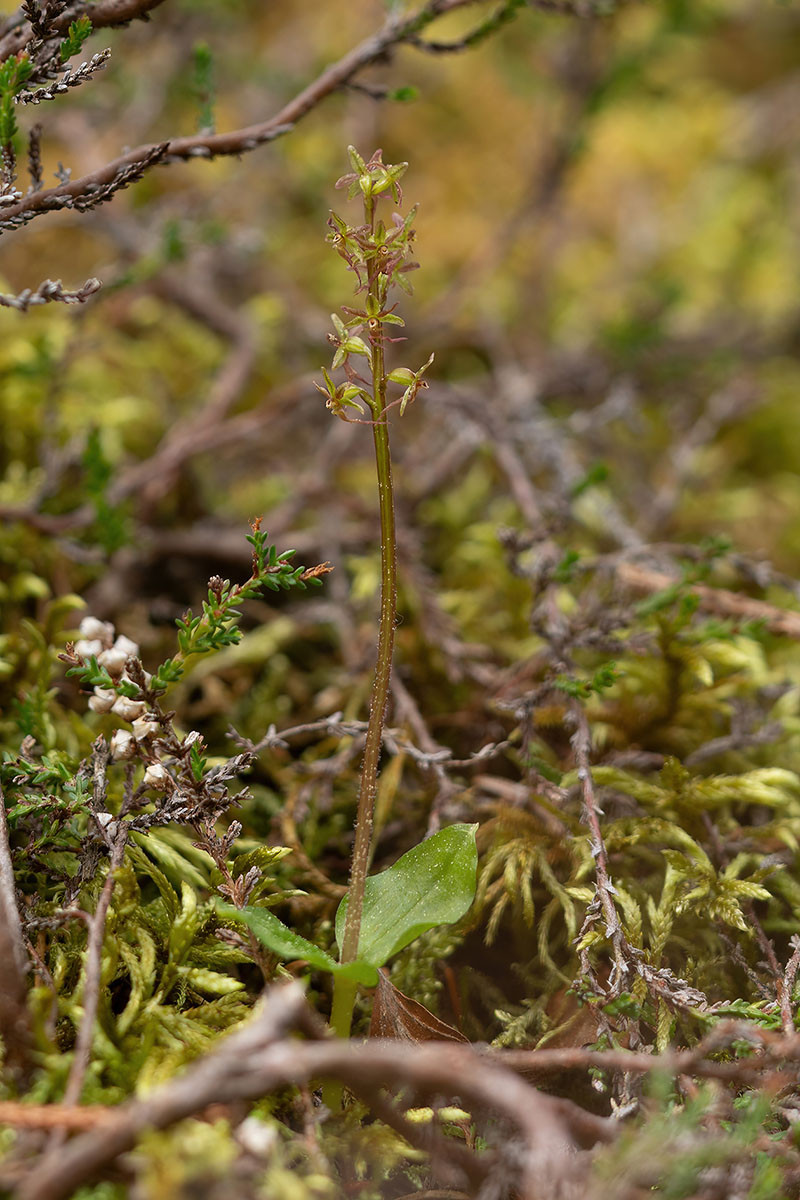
(397, 1016)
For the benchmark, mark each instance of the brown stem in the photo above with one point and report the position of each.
(105, 14)
(581, 743)
(8, 897)
(345, 991)
(14, 1019)
(91, 980)
(380, 695)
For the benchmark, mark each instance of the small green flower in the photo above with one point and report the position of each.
(346, 343)
(372, 178)
(413, 380)
(337, 399)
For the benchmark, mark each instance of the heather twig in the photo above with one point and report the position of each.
(90, 997)
(105, 14)
(581, 742)
(14, 1020)
(8, 896)
(48, 292)
(84, 191)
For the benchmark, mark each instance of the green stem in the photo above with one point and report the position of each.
(344, 992)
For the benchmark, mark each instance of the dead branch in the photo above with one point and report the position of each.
(79, 193)
(714, 600)
(104, 14)
(260, 1058)
(54, 1116)
(14, 1020)
(47, 292)
(63, 1170)
(8, 897)
(91, 980)
(771, 1053)
(603, 902)
(333, 726)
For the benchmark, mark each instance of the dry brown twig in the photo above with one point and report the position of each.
(8, 897)
(54, 1116)
(260, 1058)
(101, 183)
(603, 902)
(104, 14)
(14, 1020)
(47, 292)
(91, 979)
(772, 1052)
(714, 600)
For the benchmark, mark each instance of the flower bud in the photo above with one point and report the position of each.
(102, 700)
(128, 709)
(126, 645)
(156, 776)
(144, 728)
(114, 661)
(94, 630)
(123, 745)
(106, 823)
(86, 647)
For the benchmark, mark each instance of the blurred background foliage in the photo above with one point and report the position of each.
(608, 203)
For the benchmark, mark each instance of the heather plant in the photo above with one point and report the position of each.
(70, 814)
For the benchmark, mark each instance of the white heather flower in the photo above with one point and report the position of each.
(191, 738)
(108, 825)
(145, 728)
(115, 658)
(156, 776)
(129, 710)
(87, 647)
(102, 700)
(126, 645)
(114, 661)
(123, 745)
(94, 630)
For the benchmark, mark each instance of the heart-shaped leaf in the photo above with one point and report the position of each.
(433, 884)
(281, 940)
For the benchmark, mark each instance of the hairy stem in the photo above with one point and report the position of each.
(344, 992)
